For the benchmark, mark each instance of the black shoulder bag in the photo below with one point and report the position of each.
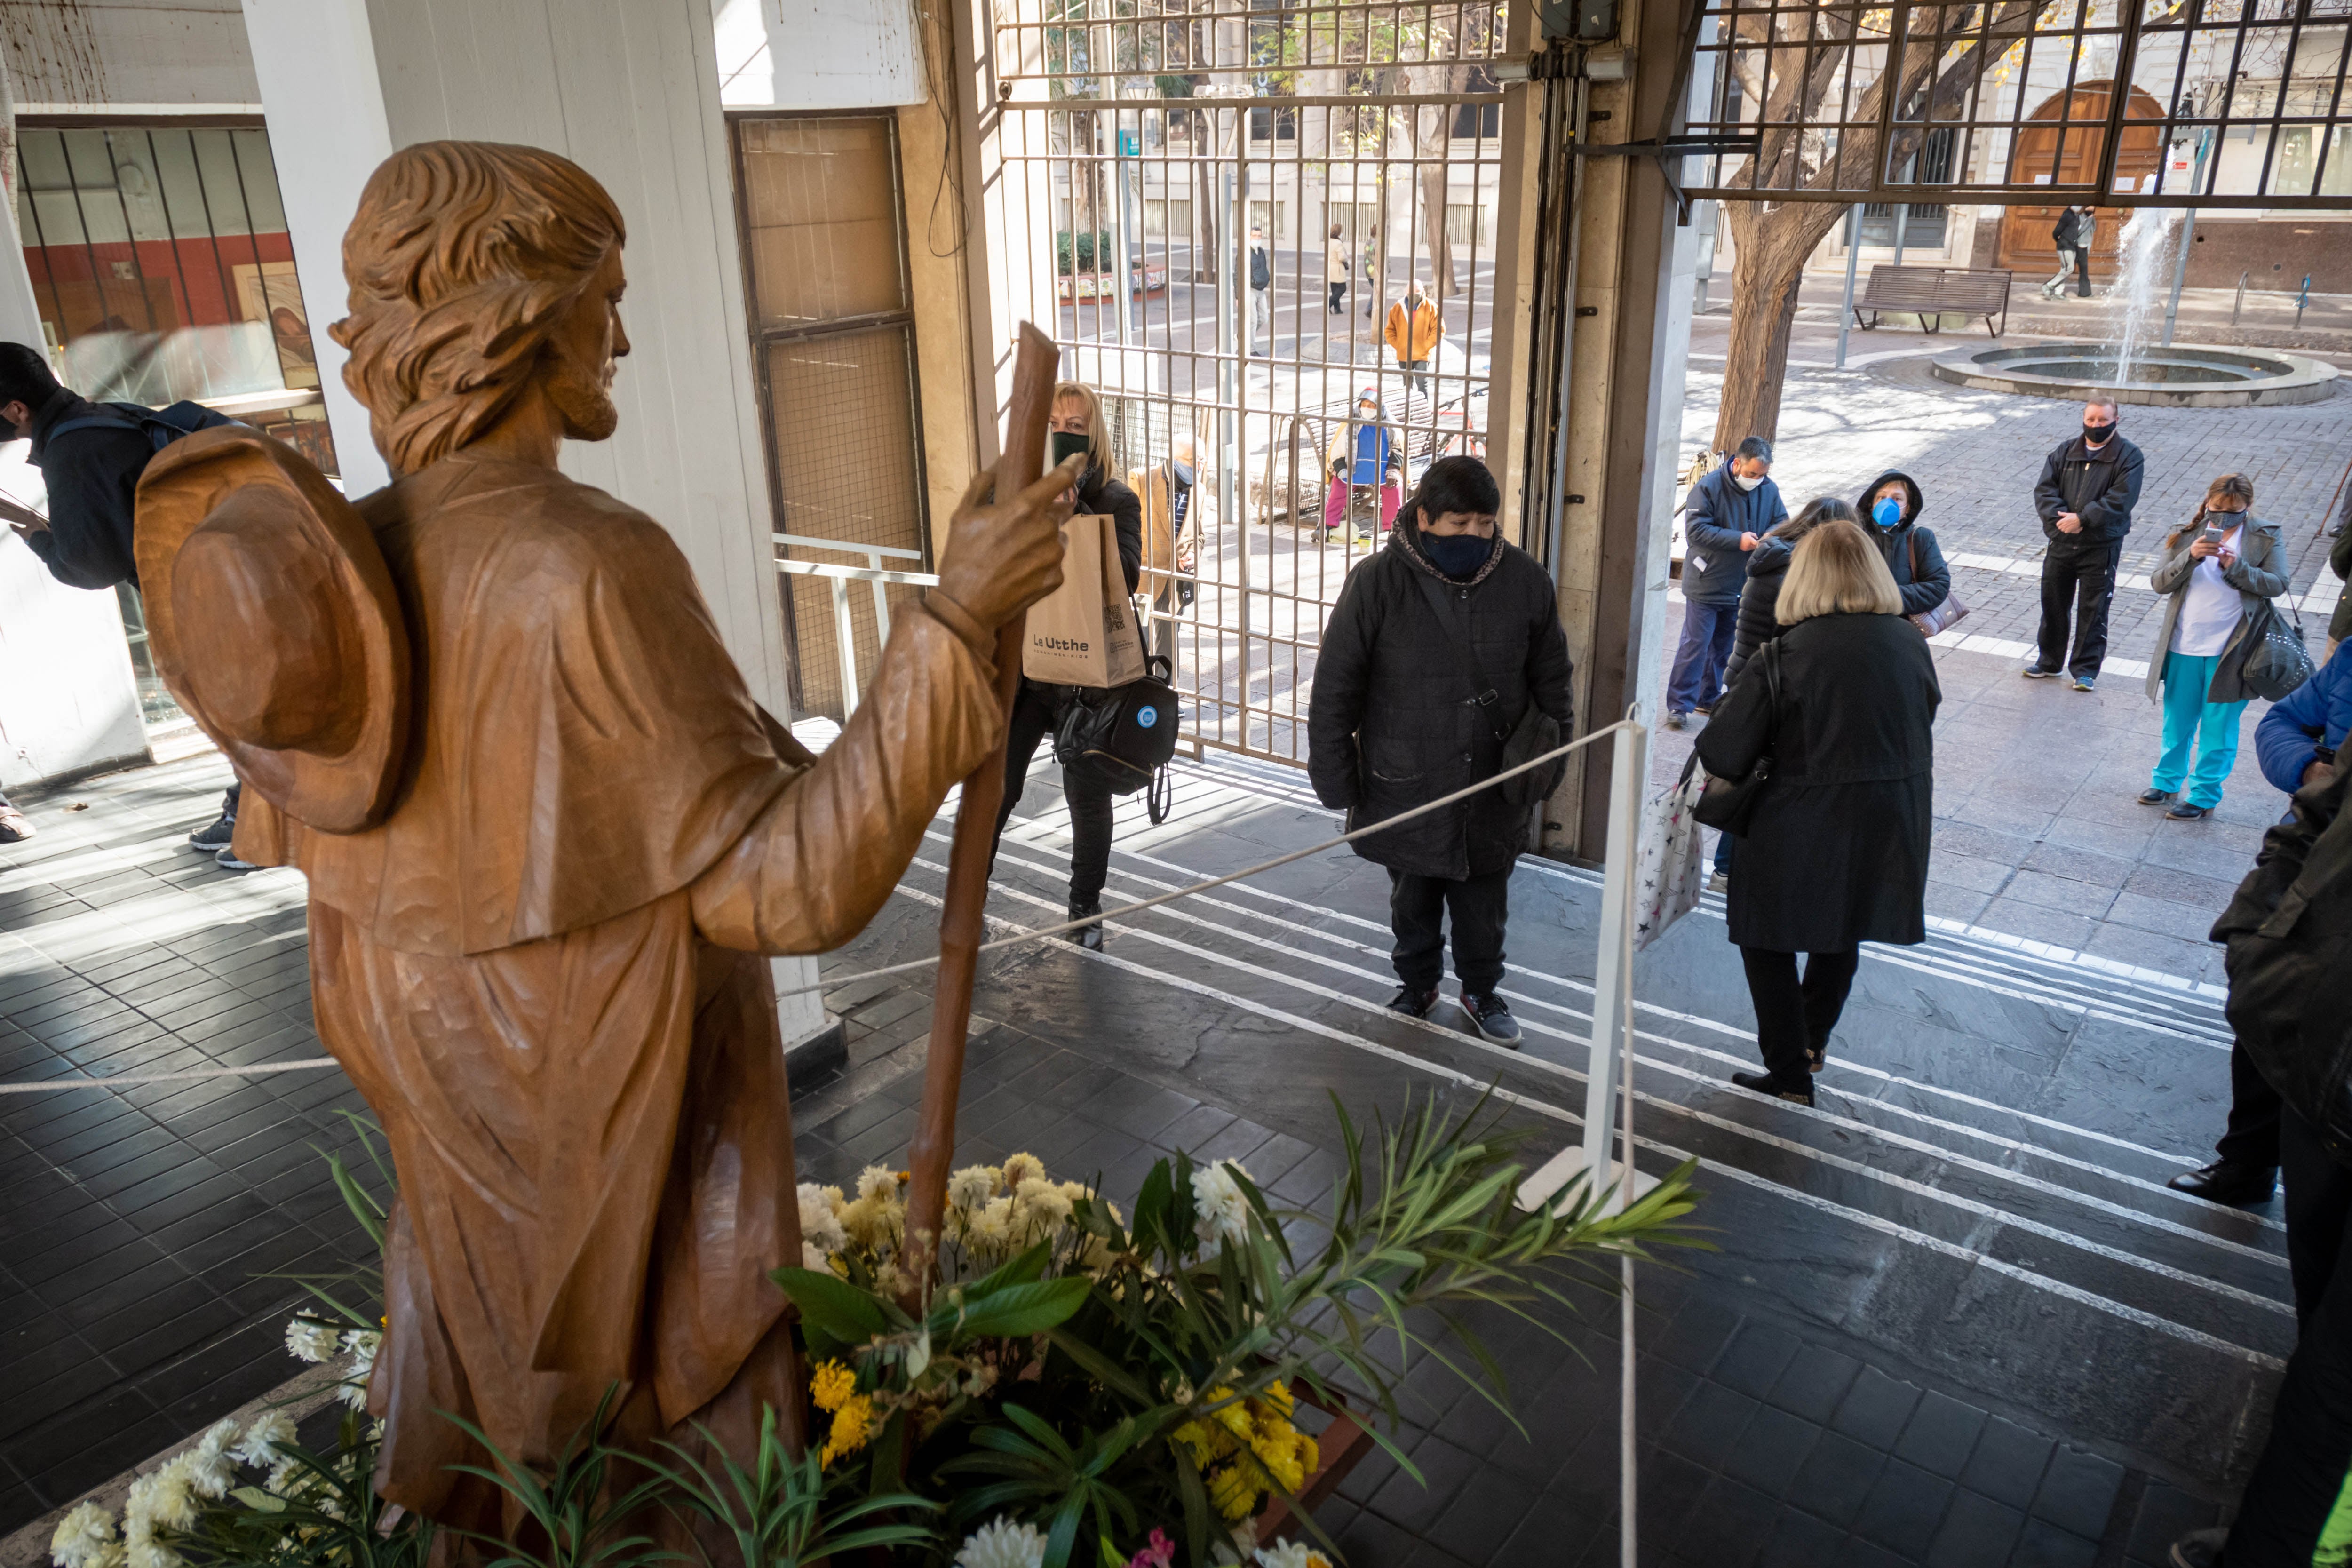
(1123, 736)
(1730, 804)
(1536, 732)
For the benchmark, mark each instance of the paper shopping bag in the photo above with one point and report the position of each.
(1084, 632)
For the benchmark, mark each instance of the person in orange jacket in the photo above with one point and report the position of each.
(1413, 332)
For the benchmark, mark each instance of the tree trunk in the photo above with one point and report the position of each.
(1767, 267)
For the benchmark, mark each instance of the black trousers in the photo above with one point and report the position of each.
(1338, 292)
(1089, 799)
(1794, 1015)
(2082, 579)
(1481, 907)
(2253, 1136)
(2302, 1466)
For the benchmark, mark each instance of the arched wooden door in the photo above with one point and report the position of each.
(2081, 115)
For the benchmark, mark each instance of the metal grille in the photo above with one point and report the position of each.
(1150, 136)
(835, 339)
(163, 270)
(2211, 103)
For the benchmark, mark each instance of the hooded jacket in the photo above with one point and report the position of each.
(1392, 722)
(1930, 582)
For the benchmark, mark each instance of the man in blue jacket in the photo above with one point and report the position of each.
(1723, 517)
(2296, 744)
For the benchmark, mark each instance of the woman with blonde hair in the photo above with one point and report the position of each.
(2220, 569)
(1838, 710)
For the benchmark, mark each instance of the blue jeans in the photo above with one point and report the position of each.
(1697, 677)
(2189, 720)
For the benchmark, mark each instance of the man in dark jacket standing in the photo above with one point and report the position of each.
(92, 475)
(1724, 516)
(2088, 487)
(1261, 275)
(1437, 649)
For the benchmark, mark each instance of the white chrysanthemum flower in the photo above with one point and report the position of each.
(212, 1463)
(992, 1225)
(150, 1553)
(284, 1477)
(165, 1496)
(877, 1185)
(1000, 1543)
(1042, 1201)
(1221, 1212)
(821, 1226)
(82, 1537)
(312, 1341)
(812, 1257)
(1019, 1168)
(269, 1430)
(1291, 1554)
(972, 1186)
(363, 1344)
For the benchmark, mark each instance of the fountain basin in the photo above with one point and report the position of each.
(2178, 377)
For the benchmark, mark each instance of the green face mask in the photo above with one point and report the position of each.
(1068, 446)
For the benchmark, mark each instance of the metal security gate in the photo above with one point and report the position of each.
(1358, 148)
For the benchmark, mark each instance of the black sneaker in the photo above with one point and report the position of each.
(1412, 1002)
(2228, 1182)
(2152, 795)
(2035, 672)
(1089, 937)
(214, 836)
(2182, 811)
(1491, 1016)
(1765, 1083)
(225, 859)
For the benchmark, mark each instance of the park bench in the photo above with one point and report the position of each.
(1930, 291)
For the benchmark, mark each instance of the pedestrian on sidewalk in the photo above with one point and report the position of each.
(2065, 236)
(1335, 269)
(2088, 486)
(1261, 279)
(1411, 334)
(1169, 490)
(90, 456)
(2221, 570)
(1365, 461)
(1890, 514)
(1725, 513)
(2086, 234)
(1372, 289)
(1768, 567)
(1836, 853)
(15, 828)
(1077, 414)
(1438, 648)
(2286, 1007)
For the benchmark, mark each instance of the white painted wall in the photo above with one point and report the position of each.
(868, 54)
(628, 88)
(128, 56)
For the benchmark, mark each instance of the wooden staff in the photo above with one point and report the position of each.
(961, 924)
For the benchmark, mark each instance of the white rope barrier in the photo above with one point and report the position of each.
(126, 1080)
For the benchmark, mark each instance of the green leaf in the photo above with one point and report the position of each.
(1019, 1311)
(832, 1306)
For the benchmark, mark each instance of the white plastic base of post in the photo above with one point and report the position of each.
(1554, 1176)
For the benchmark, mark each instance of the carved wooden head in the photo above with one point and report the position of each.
(477, 271)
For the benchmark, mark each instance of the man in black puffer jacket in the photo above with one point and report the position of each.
(1400, 717)
(2088, 487)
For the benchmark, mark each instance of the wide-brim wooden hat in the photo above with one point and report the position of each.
(274, 622)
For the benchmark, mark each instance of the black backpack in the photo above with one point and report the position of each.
(162, 426)
(1123, 735)
(1261, 275)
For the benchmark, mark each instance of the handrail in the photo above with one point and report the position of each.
(804, 541)
(859, 574)
(844, 634)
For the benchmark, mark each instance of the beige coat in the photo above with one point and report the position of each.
(2260, 575)
(1335, 262)
(1165, 551)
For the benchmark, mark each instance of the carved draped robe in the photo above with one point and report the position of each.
(541, 968)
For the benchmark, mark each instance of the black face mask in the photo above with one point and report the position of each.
(2095, 434)
(1456, 554)
(1067, 445)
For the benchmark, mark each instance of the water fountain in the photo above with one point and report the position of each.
(2137, 366)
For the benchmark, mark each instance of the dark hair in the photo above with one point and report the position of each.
(1453, 484)
(2231, 487)
(25, 375)
(1335, 231)
(1812, 515)
(1756, 450)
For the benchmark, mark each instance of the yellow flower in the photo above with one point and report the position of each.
(1277, 1395)
(850, 1424)
(832, 1385)
(1233, 1493)
(1234, 1417)
(1207, 1444)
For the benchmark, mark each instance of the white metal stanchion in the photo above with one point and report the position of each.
(1610, 1077)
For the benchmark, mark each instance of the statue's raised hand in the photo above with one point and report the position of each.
(1004, 557)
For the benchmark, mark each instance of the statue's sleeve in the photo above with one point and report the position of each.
(819, 861)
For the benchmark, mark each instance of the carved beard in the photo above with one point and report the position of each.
(579, 394)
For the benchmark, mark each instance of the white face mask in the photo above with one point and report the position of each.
(1746, 481)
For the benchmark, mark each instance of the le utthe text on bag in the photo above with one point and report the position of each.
(1083, 632)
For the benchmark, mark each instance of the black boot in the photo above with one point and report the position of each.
(1089, 937)
(2234, 1182)
(1800, 1092)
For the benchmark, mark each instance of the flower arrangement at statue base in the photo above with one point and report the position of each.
(1069, 1386)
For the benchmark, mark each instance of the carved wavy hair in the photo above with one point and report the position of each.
(464, 259)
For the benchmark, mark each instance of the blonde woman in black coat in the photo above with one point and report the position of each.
(1837, 853)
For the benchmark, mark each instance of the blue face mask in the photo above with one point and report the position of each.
(1887, 513)
(1456, 554)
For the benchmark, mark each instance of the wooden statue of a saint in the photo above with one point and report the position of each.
(547, 833)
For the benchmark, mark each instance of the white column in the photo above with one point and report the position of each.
(629, 89)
